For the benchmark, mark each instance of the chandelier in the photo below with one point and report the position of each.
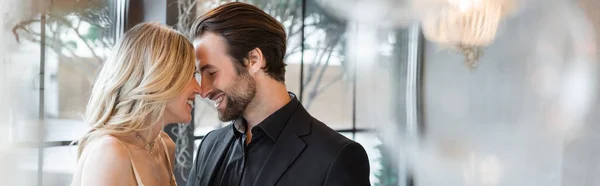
(465, 25)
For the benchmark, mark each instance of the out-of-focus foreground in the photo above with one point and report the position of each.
(439, 92)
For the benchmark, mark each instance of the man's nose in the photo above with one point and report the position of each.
(205, 89)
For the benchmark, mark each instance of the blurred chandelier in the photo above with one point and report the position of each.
(466, 25)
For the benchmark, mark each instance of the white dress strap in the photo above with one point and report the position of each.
(135, 172)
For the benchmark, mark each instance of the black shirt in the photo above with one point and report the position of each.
(242, 163)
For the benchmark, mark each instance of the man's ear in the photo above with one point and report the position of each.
(255, 61)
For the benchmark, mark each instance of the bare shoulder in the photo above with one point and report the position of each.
(107, 163)
(169, 142)
(107, 149)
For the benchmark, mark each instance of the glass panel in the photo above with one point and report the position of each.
(19, 74)
(59, 165)
(19, 94)
(380, 55)
(526, 115)
(19, 166)
(381, 79)
(19, 81)
(328, 86)
(79, 36)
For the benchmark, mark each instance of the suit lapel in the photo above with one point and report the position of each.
(286, 149)
(219, 150)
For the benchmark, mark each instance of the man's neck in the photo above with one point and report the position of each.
(267, 101)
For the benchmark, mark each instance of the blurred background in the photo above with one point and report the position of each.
(439, 92)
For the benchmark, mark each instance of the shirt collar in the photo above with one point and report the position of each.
(274, 124)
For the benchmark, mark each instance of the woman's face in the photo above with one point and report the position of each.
(179, 108)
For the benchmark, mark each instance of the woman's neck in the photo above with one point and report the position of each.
(150, 134)
(145, 138)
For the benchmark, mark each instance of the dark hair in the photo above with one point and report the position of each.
(245, 27)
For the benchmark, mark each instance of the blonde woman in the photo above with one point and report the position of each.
(147, 83)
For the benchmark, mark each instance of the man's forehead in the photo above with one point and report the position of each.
(197, 41)
(200, 51)
(209, 49)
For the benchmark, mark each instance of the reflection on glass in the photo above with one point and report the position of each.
(380, 77)
(59, 163)
(19, 166)
(482, 170)
(78, 38)
(78, 41)
(519, 118)
(19, 95)
(328, 86)
(21, 103)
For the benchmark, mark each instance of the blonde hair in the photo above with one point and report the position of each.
(149, 65)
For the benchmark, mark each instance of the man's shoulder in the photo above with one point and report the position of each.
(213, 139)
(323, 135)
(318, 132)
(217, 134)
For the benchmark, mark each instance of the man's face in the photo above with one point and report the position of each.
(221, 83)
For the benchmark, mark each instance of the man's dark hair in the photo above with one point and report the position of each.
(245, 27)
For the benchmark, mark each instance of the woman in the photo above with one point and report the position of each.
(147, 83)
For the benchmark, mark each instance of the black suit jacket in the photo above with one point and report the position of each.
(307, 153)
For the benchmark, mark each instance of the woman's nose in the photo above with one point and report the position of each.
(197, 88)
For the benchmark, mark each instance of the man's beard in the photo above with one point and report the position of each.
(239, 95)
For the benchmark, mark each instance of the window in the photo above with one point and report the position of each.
(19, 71)
(76, 36)
(328, 84)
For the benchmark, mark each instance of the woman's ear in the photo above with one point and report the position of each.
(255, 61)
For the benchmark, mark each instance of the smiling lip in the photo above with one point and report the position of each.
(218, 99)
(190, 102)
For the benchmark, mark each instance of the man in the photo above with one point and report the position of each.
(273, 140)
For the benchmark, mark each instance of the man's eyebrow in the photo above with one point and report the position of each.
(203, 68)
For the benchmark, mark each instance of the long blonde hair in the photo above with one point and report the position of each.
(149, 65)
